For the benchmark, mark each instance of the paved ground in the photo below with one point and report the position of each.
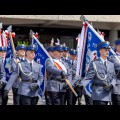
(41, 102)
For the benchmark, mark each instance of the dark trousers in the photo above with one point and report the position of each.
(56, 98)
(3, 100)
(79, 92)
(98, 102)
(26, 100)
(47, 98)
(115, 99)
(16, 97)
(88, 100)
(68, 96)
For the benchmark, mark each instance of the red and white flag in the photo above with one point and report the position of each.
(80, 50)
(0, 39)
(4, 39)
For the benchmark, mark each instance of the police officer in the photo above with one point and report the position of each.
(57, 71)
(3, 100)
(50, 50)
(75, 80)
(116, 90)
(21, 57)
(31, 76)
(102, 72)
(47, 99)
(65, 54)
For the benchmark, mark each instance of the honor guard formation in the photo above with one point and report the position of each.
(26, 77)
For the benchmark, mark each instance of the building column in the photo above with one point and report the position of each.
(113, 35)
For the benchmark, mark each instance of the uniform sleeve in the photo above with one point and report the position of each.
(13, 76)
(116, 62)
(2, 73)
(90, 73)
(51, 68)
(40, 77)
(114, 79)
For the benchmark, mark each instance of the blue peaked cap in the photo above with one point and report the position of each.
(50, 49)
(31, 48)
(58, 48)
(2, 48)
(73, 52)
(105, 44)
(117, 42)
(65, 49)
(22, 46)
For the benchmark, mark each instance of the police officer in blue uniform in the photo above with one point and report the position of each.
(57, 71)
(3, 100)
(75, 80)
(47, 99)
(31, 76)
(65, 56)
(50, 50)
(21, 57)
(116, 90)
(72, 65)
(102, 72)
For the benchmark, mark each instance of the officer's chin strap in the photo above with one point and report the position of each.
(20, 67)
(94, 66)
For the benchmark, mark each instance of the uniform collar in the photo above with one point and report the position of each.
(22, 58)
(103, 60)
(58, 59)
(29, 61)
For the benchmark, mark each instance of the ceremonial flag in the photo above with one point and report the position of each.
(9, 53)
(41, 57)
(92, 38)
(80, 50)
(8, 60)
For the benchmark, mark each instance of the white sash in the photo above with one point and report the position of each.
(61, 65)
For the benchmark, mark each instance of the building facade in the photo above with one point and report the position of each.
(64, 27)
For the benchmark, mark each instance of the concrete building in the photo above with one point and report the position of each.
(64, 27)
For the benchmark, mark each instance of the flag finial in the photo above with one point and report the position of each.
(64, 45)
(9, 28)
(58, 42)
(1, 25)
(52, 42)
(82, 18)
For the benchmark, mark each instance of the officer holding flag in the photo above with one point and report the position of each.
(57, 71)
(102, 72)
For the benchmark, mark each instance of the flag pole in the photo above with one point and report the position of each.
(67, 81)
(11, 39)
(1, 33)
